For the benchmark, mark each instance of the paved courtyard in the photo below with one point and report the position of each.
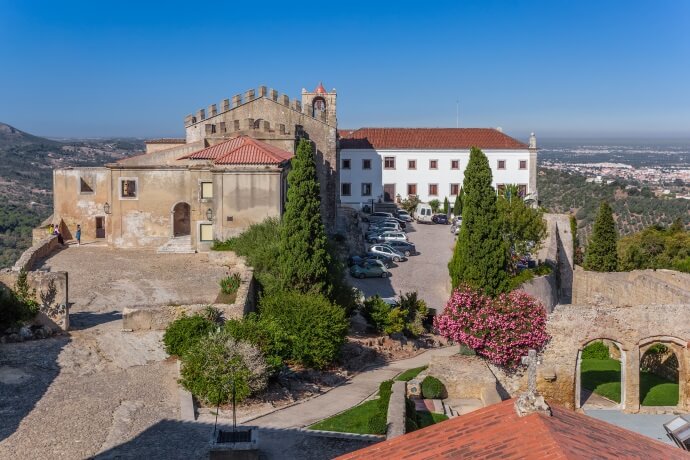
(426, 273)
(95, 388)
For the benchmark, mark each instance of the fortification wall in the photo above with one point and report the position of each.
(36, 252)
(631, 288)
(51, 294)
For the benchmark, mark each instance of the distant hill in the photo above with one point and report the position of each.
(26, 179)
(11, 136)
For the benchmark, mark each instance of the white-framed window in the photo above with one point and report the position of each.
(129, 188)
(345, 189)
(206, 190)
(501, 164)
(205, 232)
(85, 185)
(366, 189)
(388, 162)
(454, 164)
(411, 164)
(411, 189)
(523, 164)
(433, 189)
(454, 189)
(433, 164)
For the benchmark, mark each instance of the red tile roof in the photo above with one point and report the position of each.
(496, 431)
(428, 138)
(241, 150)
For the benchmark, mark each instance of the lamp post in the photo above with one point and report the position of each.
(209, 214)
(106, 208)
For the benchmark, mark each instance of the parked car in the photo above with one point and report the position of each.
(385, 225)
(387, 261)
(392, 236)
(376, 216)
(403, 247)
(440, 219)
(384, 249)
(392, 221)
(403, 215)
(373, 236)
(423, 213)
(354, 260)
(369, 269)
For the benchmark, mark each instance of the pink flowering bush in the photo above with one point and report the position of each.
(500, 329)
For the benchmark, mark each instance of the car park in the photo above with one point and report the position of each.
(403, 247)
(440, 219)
(377, 216)
(385, 250)
(403, 215)
(369, 269)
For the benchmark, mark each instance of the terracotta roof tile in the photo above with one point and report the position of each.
(241, 150)
(496, 431)
(428, 138)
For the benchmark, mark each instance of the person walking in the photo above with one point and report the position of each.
(78, 235)
(56, 232)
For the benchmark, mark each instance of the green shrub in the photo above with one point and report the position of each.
(212, 314)
(657, 348)
(385, 392)
(271, 340)
(376, 311)
(378, 423)
(19, 304)
(230, 284)
(184, 332)
(313, 328)
(432, 388)
(396, 321)
(407, 316)
(216, 361)
(596, 350)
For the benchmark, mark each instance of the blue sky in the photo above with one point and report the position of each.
(560, 68)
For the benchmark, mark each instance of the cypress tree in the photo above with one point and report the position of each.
(602, 254)
(304, 256)
(457, 206)
(480, 258)
(446, 205)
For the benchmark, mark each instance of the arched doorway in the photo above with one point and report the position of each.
(181, 220)
(659, 375)
(600, 379)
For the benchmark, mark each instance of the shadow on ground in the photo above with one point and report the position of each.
(87, 319)
(27, 369)
(190, 440)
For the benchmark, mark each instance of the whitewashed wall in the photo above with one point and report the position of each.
(444, 176)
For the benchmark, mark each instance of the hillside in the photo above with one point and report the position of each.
(634, 210)
(26, 179)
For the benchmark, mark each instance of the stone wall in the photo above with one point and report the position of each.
(633, 329)
(631, 288)
(35, 253)
(396, 411)
(543, 288)
(51, 294)
(465, 377)
(158, 317)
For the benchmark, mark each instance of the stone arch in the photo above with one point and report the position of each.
(680, 349)
(318, 105)
(578, 370)
(181, 219)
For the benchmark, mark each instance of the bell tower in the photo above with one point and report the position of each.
(321, 104)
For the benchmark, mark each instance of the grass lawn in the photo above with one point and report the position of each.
(353, 420)
(657, 391)
(429, 418)
(603, 377)
(410, 374)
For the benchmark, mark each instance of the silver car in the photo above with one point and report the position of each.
(391, 236)
(388, 251)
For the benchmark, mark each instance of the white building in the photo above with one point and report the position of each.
(388, 164)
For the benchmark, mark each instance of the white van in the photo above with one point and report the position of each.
(423, 213)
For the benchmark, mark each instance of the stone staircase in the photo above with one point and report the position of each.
(177, 245)
(460, 406)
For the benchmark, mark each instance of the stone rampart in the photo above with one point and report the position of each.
(38, 251)
(396, 411)
(631, 288)
(544, 289)
(51, 294)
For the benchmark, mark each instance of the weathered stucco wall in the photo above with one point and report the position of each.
(633, 329)
(631, 288)
(73, 206)
(52, 294)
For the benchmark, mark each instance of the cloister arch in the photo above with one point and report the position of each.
(578, 371)
(679, 350)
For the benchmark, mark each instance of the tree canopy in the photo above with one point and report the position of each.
(601, 254)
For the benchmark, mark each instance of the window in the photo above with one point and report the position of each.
(411, 189)
(433, 164)
(213, 129)
(345, 189)
(346, 164)
(411, 164)
(205, 232)
(454, 164)
(366, 164)
(85, 186)
(454, 189)
(522, 190)
(523, 164)
(501, 164)
(389, 162)
(433, 189)
(501, 188)
(366, 189)
(206, 190)
(128, 188)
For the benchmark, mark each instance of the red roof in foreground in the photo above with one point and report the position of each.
(241, 150)
(496, 431)
(428, 138)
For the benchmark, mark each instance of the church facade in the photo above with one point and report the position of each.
(230, 171)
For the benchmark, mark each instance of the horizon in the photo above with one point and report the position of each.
(585, 70)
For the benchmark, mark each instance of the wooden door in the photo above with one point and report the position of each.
(100, 227)
(388, 192)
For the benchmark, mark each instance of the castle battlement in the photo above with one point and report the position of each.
(250, 95)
